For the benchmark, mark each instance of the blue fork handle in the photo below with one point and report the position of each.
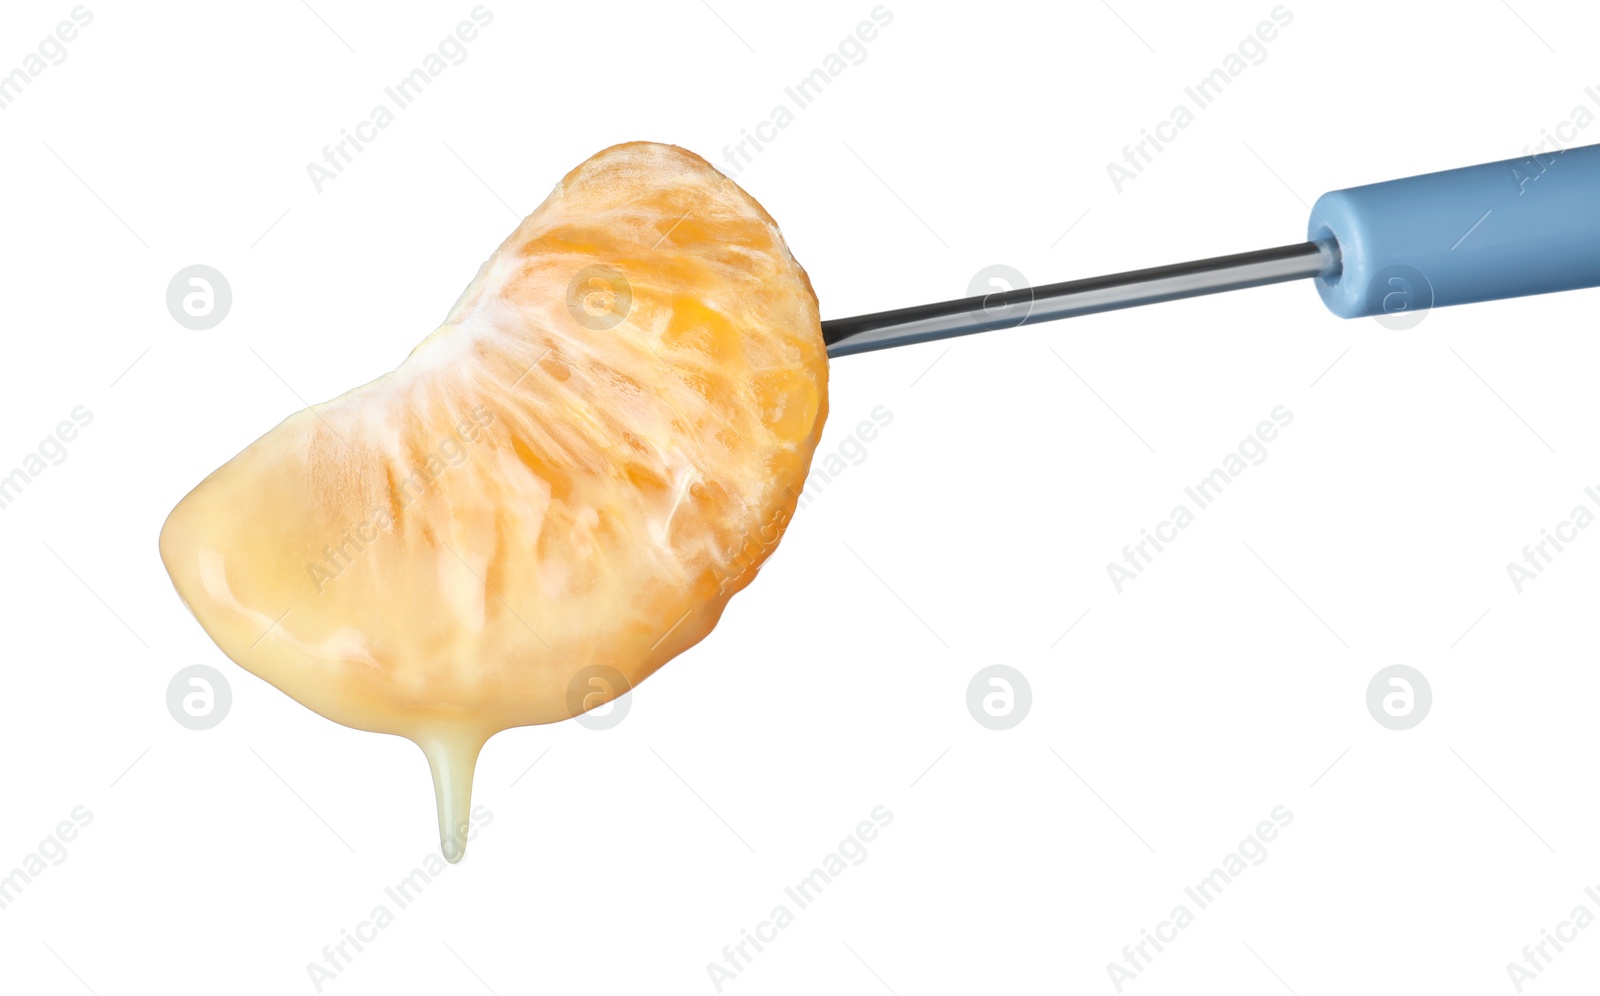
(1481, 233)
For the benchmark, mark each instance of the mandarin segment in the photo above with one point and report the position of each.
(579, 468)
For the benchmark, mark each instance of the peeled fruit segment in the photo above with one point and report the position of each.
(555, 494)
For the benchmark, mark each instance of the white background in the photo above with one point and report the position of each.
(1227, 680)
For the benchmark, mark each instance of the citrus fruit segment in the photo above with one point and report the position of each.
(556, 493)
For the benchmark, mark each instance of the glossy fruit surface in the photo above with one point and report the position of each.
(557, 491)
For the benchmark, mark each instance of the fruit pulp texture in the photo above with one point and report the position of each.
(556, 493)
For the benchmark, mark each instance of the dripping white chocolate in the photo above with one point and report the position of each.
(571, 476)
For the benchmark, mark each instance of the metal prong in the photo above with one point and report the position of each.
(1026, 305)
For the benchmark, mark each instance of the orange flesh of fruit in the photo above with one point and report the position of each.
(555, 494)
